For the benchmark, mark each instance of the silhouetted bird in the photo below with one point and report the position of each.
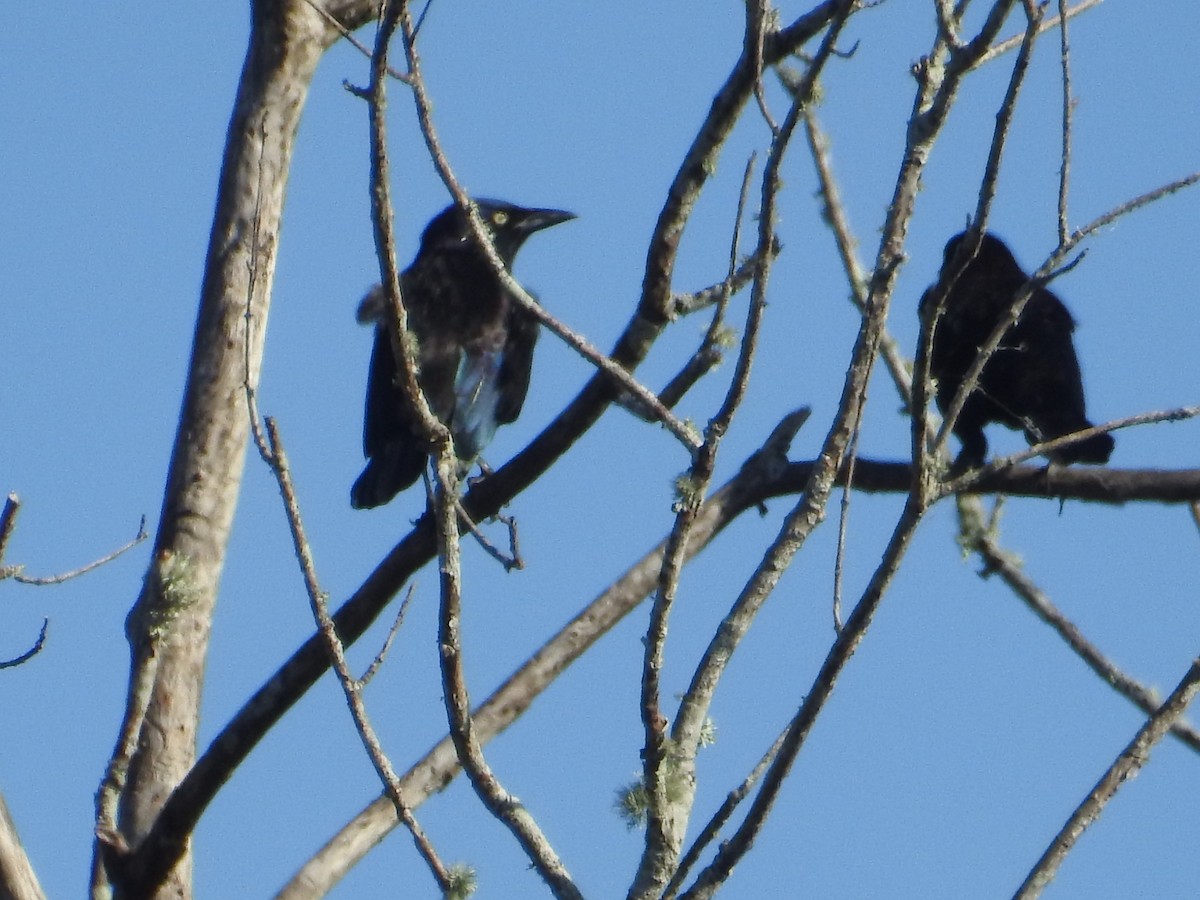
(1032, 382)
(474, 347)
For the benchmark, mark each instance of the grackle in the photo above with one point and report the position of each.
(474, 347)
(1032, 382)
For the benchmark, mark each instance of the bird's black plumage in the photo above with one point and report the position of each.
(1032, 382)
(474, 347)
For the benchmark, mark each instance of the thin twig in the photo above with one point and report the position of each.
(1068, 104)
(710, 352)
(991, 172)
(378, 659)
(835, 215)
(735, 847)
(353, 41)
(509, 561)
(351, 687)
(936, 88)
(839, 556)
(683, 304)
(1130, 205)
(968, 479)
(756, 28)
(503, 805)
(663, 834)
(514, 538)
(1015, 41)
(499, 802)
(713, 827)
(270, 448)
(1135, 755)
(31, 652)
(834, 212)
(83, 570)
(252, 269)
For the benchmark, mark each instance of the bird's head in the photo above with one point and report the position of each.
(509, 224)
(993, 255)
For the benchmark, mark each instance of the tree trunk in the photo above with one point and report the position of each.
(169, 626)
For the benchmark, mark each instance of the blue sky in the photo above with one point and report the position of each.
(963, 731)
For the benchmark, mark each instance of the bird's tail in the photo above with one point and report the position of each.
(1094, 450)
(386, 475)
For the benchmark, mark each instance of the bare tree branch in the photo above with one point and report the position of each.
(951, 274)
(970, 511)
(1068, 105)
(716, 337)
(766, 475)
(188, 800)
(963, 482)
(518, 692)
(18, 880)
(503, 805)
(1131, 760)
(734, 848)
(713, 827)
(1129, 206)
(276, 459)
(655, 310)
(664, 831)
(1015, 41)
(998, 561)
(669, 812)
(348, 35)
(8, 521)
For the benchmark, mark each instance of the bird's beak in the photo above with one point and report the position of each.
(537, 219)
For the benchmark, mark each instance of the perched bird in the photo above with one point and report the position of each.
(1032, 382)
(474, 347)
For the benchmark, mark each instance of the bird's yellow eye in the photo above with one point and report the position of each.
(499, 217)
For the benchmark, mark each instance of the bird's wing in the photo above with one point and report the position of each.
(386, 419)
(516, 365)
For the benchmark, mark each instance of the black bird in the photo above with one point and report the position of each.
(474, 347)
(1032, 382)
